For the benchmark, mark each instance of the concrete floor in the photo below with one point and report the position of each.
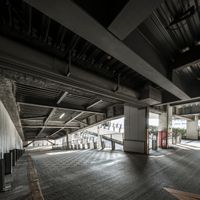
(92, 174)
(19, 182)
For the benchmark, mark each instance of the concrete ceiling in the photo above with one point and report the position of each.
(86, 60)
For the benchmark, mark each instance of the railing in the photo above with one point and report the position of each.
(188, 110)
(115, 127)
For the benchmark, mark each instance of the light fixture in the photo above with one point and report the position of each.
(197, 43)
(62, 115)
(185, 49)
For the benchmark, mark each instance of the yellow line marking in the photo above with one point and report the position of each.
(182, 195)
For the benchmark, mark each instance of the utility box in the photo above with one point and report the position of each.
(150, 95)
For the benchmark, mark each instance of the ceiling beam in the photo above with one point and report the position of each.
(51, 113)
(49, 105)
(80, 122)
(73, 117)
(28, 143)
(48, 126)
(50, 142)
(131, 16)
(34, 118)
(20, 60)
(94, 104)
(68, 14)
(181, 117)
(177, 103)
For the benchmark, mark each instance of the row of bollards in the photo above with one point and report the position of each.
(7, 162)
(90, 146)
(83, 146)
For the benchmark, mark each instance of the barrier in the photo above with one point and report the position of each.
(163, 139)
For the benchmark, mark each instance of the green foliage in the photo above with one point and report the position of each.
(153, 129)
(181, 131)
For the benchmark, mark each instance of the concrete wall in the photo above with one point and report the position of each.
(8, 99)
(9, 137)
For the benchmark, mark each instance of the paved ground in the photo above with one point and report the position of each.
(19, 182)
(107, 175)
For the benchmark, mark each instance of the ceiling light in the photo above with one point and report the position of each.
(185, 49)
(61, 116)
(197, 43)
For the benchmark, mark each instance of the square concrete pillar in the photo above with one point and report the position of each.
(136, 130)
(192, 129)
(88, 145)
(165, 128)
(2, 174)
(8, 163)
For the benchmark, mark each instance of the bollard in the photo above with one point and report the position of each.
(14, 157)
(2, 174)
(95, 145)
(17, 154)
(8, 163)
(113, 145)
(102, 145)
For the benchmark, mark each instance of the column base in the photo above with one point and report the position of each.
(134, 146)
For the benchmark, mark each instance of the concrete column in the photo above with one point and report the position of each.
(162, 122)
(169, 119)
(165, 124)
(99, 139)
(8, 163)
(67, 141)
(192, 129)
(136, 130)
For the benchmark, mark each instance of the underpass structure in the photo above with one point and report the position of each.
(69, 69)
